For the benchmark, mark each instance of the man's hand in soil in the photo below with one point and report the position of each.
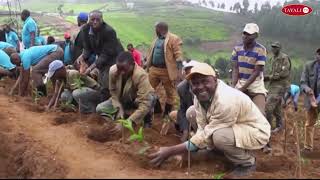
(165, 152)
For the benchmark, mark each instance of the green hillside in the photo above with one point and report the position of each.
(194, 25)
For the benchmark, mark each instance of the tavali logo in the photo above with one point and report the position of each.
(296, 10)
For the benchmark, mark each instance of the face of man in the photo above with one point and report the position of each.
(248, 38)
(15, 59)
(130, 48)
(68, 40)
(161, 31)
(124, 68)
(95, 20)
(6, 28)
(203, 86)
(60, 74)
(23, 17)
(275, 50)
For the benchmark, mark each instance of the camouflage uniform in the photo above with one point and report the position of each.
(279, 84)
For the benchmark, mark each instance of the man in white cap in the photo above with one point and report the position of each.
(186, 100)
(248, 60)
(70, 80)
(228, 121)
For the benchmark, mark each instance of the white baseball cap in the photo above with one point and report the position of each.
(191, 63)
(251, 28)
(53, 67)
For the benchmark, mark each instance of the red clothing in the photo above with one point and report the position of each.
(137, 57)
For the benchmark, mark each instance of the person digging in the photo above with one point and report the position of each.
(228, 122)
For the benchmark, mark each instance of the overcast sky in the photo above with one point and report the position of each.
(232, 2)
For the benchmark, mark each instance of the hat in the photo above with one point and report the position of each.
(83, 16)
(191, 63)
(67, 35)
(276, 44)
(251, 28)
(201, 68)
(53, 67)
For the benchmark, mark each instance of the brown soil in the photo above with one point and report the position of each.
(56, 145)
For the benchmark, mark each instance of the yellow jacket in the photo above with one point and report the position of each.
(173, 53)
(137, 88)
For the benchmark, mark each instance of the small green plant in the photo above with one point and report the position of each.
(135, 137)
(67, 105)
(78, 82)
(109, 112)
(218, 176)
(36, 95)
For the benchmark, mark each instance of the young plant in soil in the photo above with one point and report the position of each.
(109, 112)
(135, 138)
(68, 106)
(36, 95)
(78, 82)
(218, 176)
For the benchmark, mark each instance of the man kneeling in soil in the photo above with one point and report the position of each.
(35, 60)
(228, 121)
(75, 85)
(130, 91)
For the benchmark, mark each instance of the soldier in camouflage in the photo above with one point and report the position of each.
(279, 84)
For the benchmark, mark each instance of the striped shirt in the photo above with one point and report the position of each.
(247, 60)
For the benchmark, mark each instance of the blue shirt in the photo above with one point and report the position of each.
(12, 38)
(28, 27)
(33, 55)
(40, 40)
(5, 62)
(4, 45)
(247, 60)
(294, 89)
(67, 54)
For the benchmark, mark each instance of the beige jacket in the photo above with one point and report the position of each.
(231, 108)
(173, 53)
(137, 88)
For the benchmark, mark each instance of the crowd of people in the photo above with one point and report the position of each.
(92, 70)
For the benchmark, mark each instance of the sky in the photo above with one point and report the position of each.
(251, 2)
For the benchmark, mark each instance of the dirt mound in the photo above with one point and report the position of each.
(64, 119)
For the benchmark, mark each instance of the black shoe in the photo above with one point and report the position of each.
(241, 171)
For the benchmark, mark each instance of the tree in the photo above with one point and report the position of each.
(245, 4)
(266, 7)
(256, 8)
(222, 6)
(237, 7)
(211, 3)
(204, 2)
(230, 8)
(218, 5)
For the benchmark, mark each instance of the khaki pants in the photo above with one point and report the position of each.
(42, 67)
(160, 75)
(224, 141)
(311, 119)
(259, 100)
